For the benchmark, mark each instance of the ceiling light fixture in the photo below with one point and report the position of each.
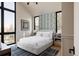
(29, 3)
(36, 3)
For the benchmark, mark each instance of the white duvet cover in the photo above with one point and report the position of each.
(35, 44)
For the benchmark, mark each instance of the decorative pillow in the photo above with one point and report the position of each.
(45, 34)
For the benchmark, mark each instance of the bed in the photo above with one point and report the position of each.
(36, 44)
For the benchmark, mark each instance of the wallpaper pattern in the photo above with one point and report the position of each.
(47, 21)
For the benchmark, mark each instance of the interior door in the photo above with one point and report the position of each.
(67, 37)
(76, 28)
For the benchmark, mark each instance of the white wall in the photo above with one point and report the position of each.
(22, 13)
(67, 27)
(76, 28)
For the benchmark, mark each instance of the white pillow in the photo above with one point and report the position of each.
(39, 34)
(45, 34)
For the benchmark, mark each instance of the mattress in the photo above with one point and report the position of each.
(35, 44)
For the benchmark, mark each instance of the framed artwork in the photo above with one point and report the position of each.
(24, 25)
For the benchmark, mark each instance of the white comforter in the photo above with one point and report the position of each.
(34, 41)
(35, 44)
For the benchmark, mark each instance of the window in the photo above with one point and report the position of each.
(8, 22)
(0, 3)
(36, 23)
(9, 5)
(0, 20)
(58, 21)
(0, 38)
(8, 39)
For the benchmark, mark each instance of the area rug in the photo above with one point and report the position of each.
(15, 51)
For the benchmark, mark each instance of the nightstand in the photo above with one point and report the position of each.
(57, 37)
(5, 50)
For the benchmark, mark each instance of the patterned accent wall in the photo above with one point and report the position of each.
(47, 21)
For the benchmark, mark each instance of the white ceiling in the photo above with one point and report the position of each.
(42, 7)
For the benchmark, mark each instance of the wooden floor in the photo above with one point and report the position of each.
(57, 45)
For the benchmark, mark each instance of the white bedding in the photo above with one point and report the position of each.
(35, 41)
(35, 44)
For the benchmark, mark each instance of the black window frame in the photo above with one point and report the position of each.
(34, 22)
(56, 19)
(2, 33)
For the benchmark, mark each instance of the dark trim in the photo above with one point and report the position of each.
(15, 22)
(9, 10)
(34, 22)
(2, 22)
(11, 44)
(58, 11)
(9, 33)
(56, 18)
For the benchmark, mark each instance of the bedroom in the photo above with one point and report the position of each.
(31, 20)
(35, 11)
